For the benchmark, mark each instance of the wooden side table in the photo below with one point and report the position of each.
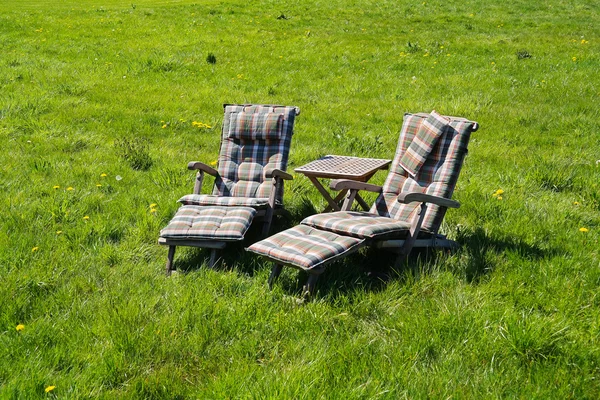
(341, 167)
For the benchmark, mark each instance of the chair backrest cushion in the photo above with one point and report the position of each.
(423, 143)
(437, 175)
(255, 126)
(255, 140)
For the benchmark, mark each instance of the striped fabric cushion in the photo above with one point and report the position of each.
(212, 200)
(245, 163)
(210, 223)
(357, 224)
(305, 247)
(255, 126)
(423, 142)
(437, 176)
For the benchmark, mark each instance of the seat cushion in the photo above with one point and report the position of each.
(212, 200)
(357, 224)
(209, 223)
(305, 247)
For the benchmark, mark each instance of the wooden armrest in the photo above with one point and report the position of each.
(197, 165)
(427, 198)
(348, 184)
(277, 173)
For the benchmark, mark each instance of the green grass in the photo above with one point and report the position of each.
(92, 88)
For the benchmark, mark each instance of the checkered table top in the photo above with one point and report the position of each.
(340, 167)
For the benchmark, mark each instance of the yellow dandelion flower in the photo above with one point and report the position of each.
(583, 230)
(36, 248)
(499, 197)
(86, 217)
(574, 59)
(70, 188)
(153, 205)
(20, 327)
(164, 126)
(98, 185)
(153, 210)
(103, 175)
(213, 163)
(55, 187)
(59, 232)
(49, 389)
(575, 203)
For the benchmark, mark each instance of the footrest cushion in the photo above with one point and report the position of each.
(209, 223)
(305, 247)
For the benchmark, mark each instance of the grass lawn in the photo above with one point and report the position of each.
(97, 104)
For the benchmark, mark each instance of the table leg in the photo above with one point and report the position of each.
(338, 200)
(332, 203)
(362, 202)
(359, 199)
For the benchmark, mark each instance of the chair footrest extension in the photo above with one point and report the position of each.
(209, 223)
(305, 247)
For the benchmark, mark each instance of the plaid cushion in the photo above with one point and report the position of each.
(423, 142)
(255, 126)
(305, 247)
(212, 200)
(210, 223)
(437, 176)
(245, 163)
(357, 224)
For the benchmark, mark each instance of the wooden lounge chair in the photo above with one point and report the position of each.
(408, 211)
(248, 184)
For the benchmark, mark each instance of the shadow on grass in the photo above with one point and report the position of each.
(371, 269)
(479, 251)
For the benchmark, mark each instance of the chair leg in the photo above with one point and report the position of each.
(309, 288)
(267, 226)
(213, 258)
(401, 259)
(170, 257)
(275, 272)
